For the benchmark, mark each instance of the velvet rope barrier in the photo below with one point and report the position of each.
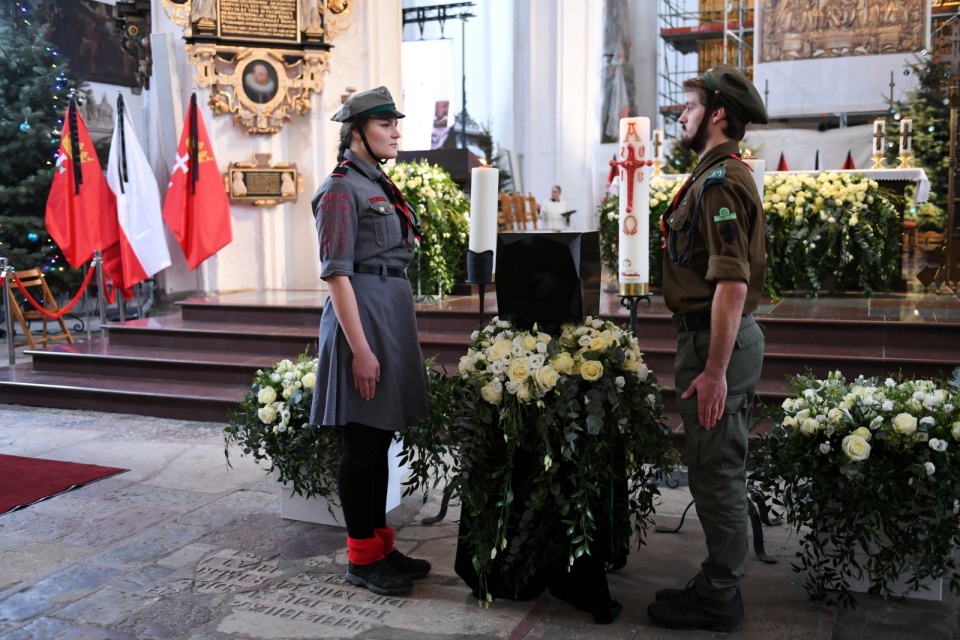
(53, 316)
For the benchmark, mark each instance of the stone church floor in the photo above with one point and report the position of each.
(181, 547)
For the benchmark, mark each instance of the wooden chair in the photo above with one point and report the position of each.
(36, 284)
(528, 208)
(930, 240)
(506, 217)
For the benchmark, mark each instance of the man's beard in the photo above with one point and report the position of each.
(695, 143)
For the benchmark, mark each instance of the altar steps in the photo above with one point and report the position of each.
(198, 364)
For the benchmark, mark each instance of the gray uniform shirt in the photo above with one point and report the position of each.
(357, 222)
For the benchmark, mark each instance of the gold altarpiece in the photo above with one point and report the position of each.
(261, 58)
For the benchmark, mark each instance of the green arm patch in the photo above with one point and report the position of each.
(725, 214)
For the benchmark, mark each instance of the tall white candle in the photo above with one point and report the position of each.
(759, 167)
(635, 160)
(484, 182)
(879, 135)
(906, 136)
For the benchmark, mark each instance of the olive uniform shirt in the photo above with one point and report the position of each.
(721, 239)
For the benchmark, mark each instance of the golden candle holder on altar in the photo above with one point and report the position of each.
(905, 160)
(657, 168)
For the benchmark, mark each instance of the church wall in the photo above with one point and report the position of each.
(276, 247)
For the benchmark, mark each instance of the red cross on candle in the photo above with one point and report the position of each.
(628, 169)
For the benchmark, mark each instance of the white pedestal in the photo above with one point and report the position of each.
(934, 591)
(318, 510)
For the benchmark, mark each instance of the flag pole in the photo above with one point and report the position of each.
(86, 302)
(101, 291)
(4, 265)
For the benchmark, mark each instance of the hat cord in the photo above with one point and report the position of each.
(366, 144)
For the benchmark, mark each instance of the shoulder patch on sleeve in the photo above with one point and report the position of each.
(724, 214)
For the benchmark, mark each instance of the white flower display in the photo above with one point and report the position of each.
(530, 364)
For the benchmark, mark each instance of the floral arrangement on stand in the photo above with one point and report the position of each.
(444, 218)
(868, 471)
(830, 231)
(572, 414)
(272, 425)
(662, 192)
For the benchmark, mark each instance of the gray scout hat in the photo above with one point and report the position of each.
(736, 93)
(373, 103)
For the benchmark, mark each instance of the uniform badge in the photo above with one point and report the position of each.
(728, 232)
(719, 172)
(725, 214)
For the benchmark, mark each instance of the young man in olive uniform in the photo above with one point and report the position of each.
(712, 281)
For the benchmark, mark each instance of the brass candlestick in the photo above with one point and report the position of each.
(905, 160)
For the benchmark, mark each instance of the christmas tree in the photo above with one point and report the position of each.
(33, 97)
(929, 108)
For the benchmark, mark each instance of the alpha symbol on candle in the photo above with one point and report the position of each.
(629, 167)
(631, 132)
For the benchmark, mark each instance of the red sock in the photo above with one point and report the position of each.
(364, 550)
(386, 534)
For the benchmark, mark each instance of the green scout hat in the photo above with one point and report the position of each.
(366, 104)
(736, 93)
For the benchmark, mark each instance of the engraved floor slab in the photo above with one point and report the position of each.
(182, 548)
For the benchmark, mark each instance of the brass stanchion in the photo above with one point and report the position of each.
(101, 290)
(8, 314)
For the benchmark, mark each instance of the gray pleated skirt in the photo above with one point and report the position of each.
(390, 325)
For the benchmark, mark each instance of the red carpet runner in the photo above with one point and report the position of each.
(24, 481)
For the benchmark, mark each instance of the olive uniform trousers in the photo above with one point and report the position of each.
(717, 457)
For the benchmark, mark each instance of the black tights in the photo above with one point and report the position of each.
(364, 471)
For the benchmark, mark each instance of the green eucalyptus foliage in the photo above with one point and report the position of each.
(547, 427)
(868, 472)
(444, 219)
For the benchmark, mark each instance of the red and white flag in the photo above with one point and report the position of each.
(197, 209)
(136, 229)
(78, 193)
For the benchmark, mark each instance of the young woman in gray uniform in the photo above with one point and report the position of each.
(371, 379)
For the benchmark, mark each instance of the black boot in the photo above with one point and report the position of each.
(670, 594)
(410, 567)
(689, 610)
(379, 577)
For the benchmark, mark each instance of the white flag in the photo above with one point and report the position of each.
(142, 247)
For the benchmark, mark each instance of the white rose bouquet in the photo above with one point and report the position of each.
(835, 231)
(547, 425)
(272, 425)
(872, 464)
(444, 215)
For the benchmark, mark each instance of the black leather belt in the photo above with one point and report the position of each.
(382, 270)
(691, 321)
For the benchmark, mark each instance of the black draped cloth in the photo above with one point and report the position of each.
(584, 585)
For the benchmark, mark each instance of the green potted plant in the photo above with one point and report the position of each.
(868, 472)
